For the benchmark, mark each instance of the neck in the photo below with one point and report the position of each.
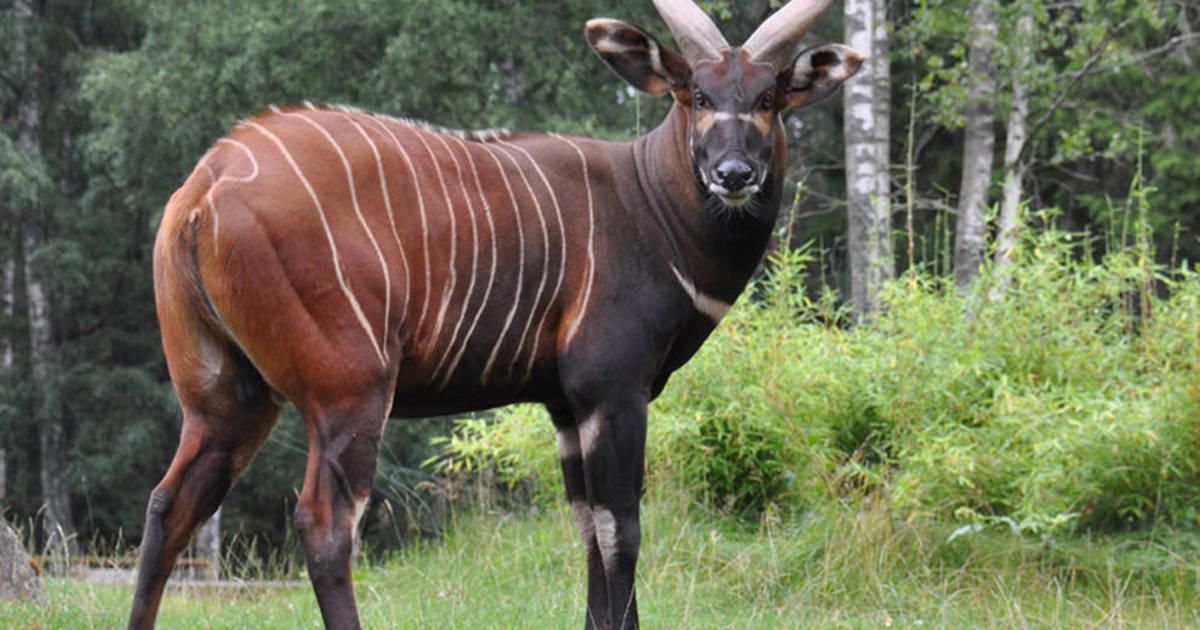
(710, 241)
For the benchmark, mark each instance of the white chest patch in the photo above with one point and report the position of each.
(713, 308)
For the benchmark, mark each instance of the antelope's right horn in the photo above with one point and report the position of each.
(698, 38)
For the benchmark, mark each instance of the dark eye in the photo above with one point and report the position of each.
(767, 102)
(701, 100)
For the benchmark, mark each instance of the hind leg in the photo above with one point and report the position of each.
(343, 448)
(215, 446)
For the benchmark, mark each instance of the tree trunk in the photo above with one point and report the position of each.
(8, 309)
(1014, 165)
(978, 145)
(18, 580)
(56, 495)
(207, 548)
(868, 184)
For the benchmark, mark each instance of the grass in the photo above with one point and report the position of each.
(850, 568)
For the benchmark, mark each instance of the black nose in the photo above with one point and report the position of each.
(733, 175)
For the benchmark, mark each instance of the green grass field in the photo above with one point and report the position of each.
(851, 569)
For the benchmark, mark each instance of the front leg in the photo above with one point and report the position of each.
(571, 459)
(612, 443)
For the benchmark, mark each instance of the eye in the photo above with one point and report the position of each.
(700, 100)
(767, 102)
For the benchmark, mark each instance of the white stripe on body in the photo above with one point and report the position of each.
(453, 279)
(562, 263)
(424, 220)
(537, 204)
(591, 247)
(466, 302)
(208, 197)
(387, 202)
(487, 210)
(337, 266)
(512, 311)
(387, 282)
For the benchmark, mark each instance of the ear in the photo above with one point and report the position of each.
(637, 57)
(818, 71)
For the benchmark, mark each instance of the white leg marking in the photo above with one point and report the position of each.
(606, 533)
(568, 443)
(208, 197)
(487, 212)
(362, 220)
(487, 368)
(562, 266)
(466, 302)
(591, 248)
(585, 520)
(360, 509)
(713, 308)
(537, 204)
(452, 280)
(211, 361)
(387, 202)
(412, 171)
(589, 434)
(337, 264)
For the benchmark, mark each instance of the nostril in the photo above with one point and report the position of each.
(734, 175)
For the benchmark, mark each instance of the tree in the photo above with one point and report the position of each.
(868, 184)
(56, 491)
(1021, 57)
(18, 581)
(978, 145)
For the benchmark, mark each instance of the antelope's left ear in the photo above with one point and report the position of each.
(818, 71)
(637, 57)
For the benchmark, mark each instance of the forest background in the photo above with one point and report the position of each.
(980, 135)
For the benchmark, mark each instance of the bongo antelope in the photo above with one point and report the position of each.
(364, 267)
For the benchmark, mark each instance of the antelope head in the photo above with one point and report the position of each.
(734, 97)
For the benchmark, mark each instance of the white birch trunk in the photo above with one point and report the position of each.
(1014, 165)
(978, 145)
(56, 495)
(868, 184)
(8, 309)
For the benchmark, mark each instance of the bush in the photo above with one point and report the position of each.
(1072, 400)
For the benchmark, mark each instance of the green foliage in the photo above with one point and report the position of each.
(846, 567)
(1072, 401)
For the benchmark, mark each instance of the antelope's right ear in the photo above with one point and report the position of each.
(637, 57)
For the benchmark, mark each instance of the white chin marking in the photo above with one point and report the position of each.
(733, 201)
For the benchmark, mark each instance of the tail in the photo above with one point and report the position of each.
(177, 278)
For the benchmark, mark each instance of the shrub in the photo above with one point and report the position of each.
(1072, 400)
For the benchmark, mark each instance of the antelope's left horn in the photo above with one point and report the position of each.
(776, 40)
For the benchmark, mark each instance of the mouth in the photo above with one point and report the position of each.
(733, 199)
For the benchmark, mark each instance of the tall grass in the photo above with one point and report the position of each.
(1070, 403)
(841, 567)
